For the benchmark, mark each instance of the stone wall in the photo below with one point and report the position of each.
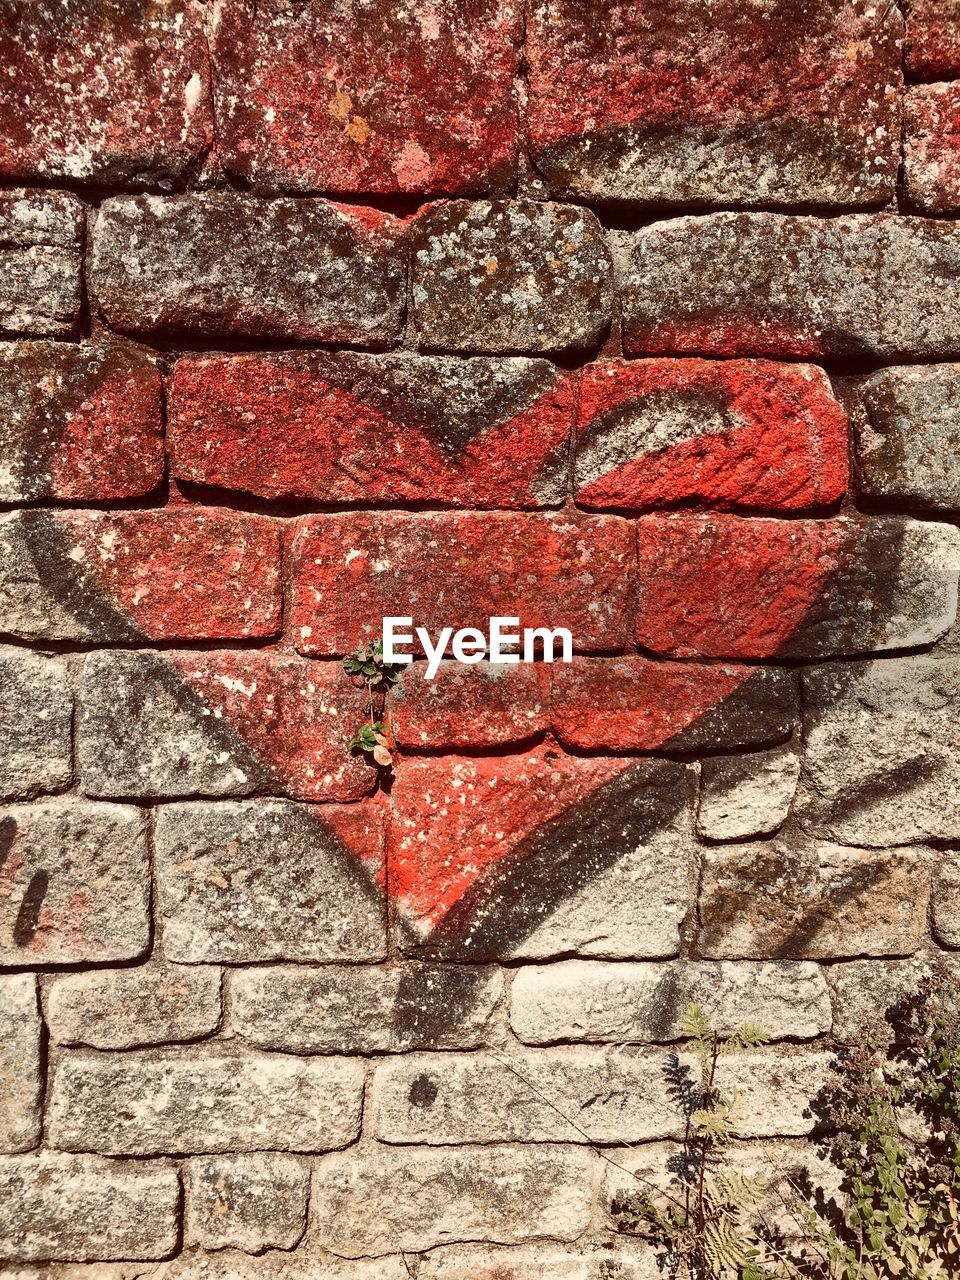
(629, 316)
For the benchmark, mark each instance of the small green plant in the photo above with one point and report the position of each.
(895, 1136)
(367, 669)
(705, 1225)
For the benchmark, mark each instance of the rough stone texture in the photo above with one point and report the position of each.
(863, 991)
(225, 263)
(246, 1202)
(74, 884)
(182, 573)
(376, 98)
(21, 1082)
(40, 241)
(882, 761)
(509, 275)
(575, 1095)
(594, 1001)
(908, 435)
(732, 434)
(36, 709)
(723, 587)
(385, 1200)
(585, 856)
(58, 1206)
(145, 1103)
(596, 1259)
(744, 796)
(229, 723)
(735, 105)
(633, 704)
(126, 1008)
(464, 707)
(946, 898)
(931, 156)
(933, 39)
(270, 880)
(115, 94)
(803, 900)
(78, 424)
(772, 284)
(336, 1009)
(481, 432)
(457, 570)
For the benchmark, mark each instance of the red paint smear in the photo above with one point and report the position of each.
(112, 445)
(789, 453)
(281, 430)
(743, 335)
(722, 587)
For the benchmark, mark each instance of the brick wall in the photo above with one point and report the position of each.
(630, 316)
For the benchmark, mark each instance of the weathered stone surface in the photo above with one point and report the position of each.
(631, 704)
(36, 708)
(144, 1103)
(457, 570)
(723, 587)
(596, 1259)
(57, 1206)
(348, 1009)
(804, 900)
(596, 1001)
(270, 880)
(481, 432)
(933, 39)
(76, 884)
(946, 898)
(772, 284)
(908, 435)
(376, 98)
(931, 148)
(575, 1095)
(882, 761)
(540, 854)
(78, 423)
(21, 1082)
(384, 1200)
(511, 275)
(125, 1008)
(211, 723)
(864, 990)
(115, 94)
(732, 105)
(179, 573)
(304, 1263)
(744, 796)
(486, 705)
(40, 235)
(728, 434)
(246, 1202)
(225, 263)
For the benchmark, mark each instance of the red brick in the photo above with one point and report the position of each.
(224, 263)
(115, 93)
(78, 423)
(731, 103)
(385, 97)
(459, 570)
(509, 275)
(464, 707)
(738, 433)
(220, 723)
(723, 587)
(931, 155)
(933, 39)
(182, 573)
(386, 429)
(633, 704)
